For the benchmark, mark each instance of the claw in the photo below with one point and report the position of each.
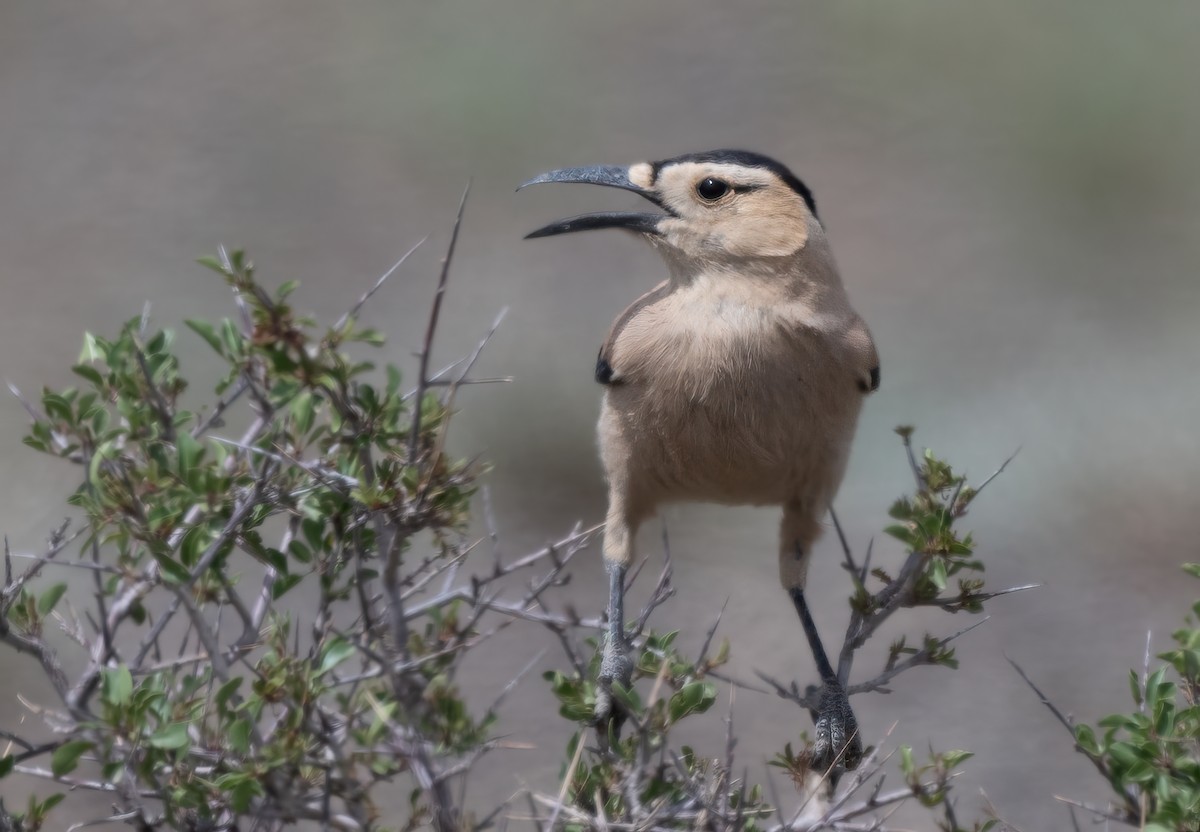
(837, 744)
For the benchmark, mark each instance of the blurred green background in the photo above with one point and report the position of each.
(1012, 190)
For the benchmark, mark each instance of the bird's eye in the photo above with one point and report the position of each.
(712, 189)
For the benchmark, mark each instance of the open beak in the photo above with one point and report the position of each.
(612, 176)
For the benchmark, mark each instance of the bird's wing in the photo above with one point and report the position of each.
(606, 373)
(868, 380)
(844, 341)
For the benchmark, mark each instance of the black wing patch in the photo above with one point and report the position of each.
(604, 370)
(871, 387)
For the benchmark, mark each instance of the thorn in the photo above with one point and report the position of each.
(353, 311)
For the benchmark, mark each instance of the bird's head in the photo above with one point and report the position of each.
(723, 203)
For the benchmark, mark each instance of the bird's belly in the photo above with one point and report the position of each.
(756, 440)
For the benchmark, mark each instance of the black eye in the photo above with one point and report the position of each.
(712, 189)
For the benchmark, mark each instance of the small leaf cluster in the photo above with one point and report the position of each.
(930, 780)
(930, 783)
(1151, 757)
(932, 651)
(641, 771)
(681, 687)
(936, 553)
(33, 818)
(27, 612)
(926, 527)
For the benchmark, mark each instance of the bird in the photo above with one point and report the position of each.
(737, 380)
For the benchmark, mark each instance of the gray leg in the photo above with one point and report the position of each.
(615, 664)
(837, 743)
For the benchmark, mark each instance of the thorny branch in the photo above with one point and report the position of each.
(354, 495)
(206, 701)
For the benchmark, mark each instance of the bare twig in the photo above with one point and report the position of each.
(997, 472)
(922, 656)
(431, 328)
(1130, 799)
(906, 436)
(353, 311)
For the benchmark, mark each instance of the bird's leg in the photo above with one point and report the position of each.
(615, 664)
(837, 742)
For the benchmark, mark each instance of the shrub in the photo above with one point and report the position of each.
(275, 621)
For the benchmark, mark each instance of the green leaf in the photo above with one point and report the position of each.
(1135, 688)
(195, 541)
(299, 551)
(1140, 772)
(692, 698)
(210, 262)
(1192, 569)
(1121, 721)
(6, 765)
(937, 573)
(239, 736)
(1085, 738)
(91, 349)
(1125, 753)
(1164, 718)
(627, 696)
(336, 652)
(226, 691)
(57, 406)
(902, 533)
(52, 801)
(49, 598)
(172, 569)
(304, 411)
(275, 558)
(953, 759)
(190, 454)
(99, 422)
(313, 530)
(90, 373)
(118, 685)
(208, 332)
(370, 336)
(284, 584)
(174, 735)
(231, 339)
(66, 757)
(243, 793)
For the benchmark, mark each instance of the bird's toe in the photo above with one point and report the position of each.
(837, 744)
(615, 666)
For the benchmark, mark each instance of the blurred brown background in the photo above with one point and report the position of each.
(1012, 191)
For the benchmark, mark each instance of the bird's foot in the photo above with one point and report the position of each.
(615, 666)
(837, 745)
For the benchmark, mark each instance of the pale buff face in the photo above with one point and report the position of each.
(757, 216)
